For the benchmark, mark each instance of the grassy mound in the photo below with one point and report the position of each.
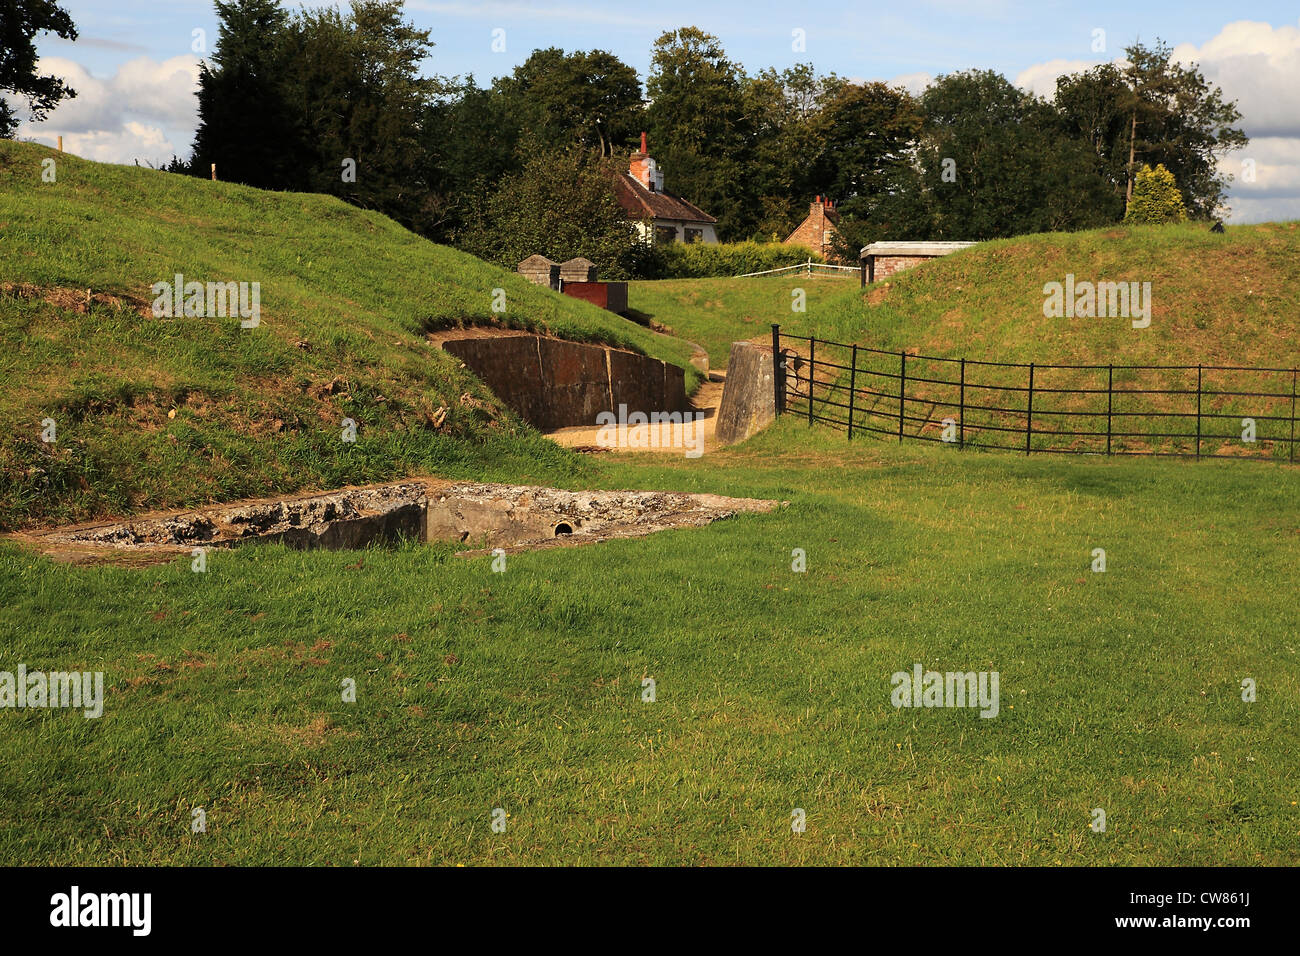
(1220, 301)
(1230, 299)
(156, 412)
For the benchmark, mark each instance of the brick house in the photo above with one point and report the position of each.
(668, 218)
(818, 231)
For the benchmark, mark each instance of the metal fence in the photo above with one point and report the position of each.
(1193, 411)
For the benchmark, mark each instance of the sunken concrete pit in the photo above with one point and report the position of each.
(554, 383)
(483, 516)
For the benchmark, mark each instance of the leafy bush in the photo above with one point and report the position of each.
(1156, 198)
(698, 260)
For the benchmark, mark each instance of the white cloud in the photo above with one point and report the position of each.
(145, 111)
(1258, 66)
(1041, 78)
(914, 83)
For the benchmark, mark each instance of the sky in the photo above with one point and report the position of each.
(135, 64)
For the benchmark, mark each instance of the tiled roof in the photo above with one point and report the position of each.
(641, 203)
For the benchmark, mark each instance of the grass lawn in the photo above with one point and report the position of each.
(156, 412)
(713, 313)
(522, 690)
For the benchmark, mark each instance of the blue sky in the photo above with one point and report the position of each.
(134, 61)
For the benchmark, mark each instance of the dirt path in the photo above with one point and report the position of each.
(662, 439)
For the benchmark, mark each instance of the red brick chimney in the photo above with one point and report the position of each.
(642, 168)
(638, 168)
(823, 208)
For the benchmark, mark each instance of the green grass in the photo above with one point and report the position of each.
(1217, 300)
(522, 690)
(1228, 299)
(716, 312)
(346, 298)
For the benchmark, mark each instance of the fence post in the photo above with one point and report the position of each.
(812, 354)
(1198, 412)
(961, 408)
(1293, 378)
(902, 392)
(853, 386)
(778, 372)
(1110, 397)
(1029, 419)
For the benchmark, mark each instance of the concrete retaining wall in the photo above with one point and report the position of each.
(748, 399)
(552, 383)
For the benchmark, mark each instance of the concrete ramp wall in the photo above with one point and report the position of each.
(553, 383)
(748, 399)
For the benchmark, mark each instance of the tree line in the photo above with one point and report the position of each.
(339, 102)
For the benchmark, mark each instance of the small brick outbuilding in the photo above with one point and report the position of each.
(880, 260)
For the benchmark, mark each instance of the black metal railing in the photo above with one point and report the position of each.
(1168, 410)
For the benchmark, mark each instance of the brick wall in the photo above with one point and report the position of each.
(886, 266)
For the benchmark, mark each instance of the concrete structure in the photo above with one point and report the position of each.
(657, 212)
(578, 270)
(880, 260)
(553, 383)
(542, 271)
(483, 516)
(818, 232)
(748, 399)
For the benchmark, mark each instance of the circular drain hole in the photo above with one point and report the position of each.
(563, 528)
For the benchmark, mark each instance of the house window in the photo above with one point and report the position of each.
(694, 235)
(666, 233)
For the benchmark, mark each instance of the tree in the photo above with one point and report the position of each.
(245, 124)
(992, 163)
(591, 99)
(1156, 198)
(700, 132)
(1152, 110)
(784, 110)
(869, 131)
(560, 204)
(20, 21)
(354, 83)
(469, 139)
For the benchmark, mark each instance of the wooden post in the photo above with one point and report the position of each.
(214, 172)
(902, 392)
(1029, 420)
(60, 144)
(853, 386)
